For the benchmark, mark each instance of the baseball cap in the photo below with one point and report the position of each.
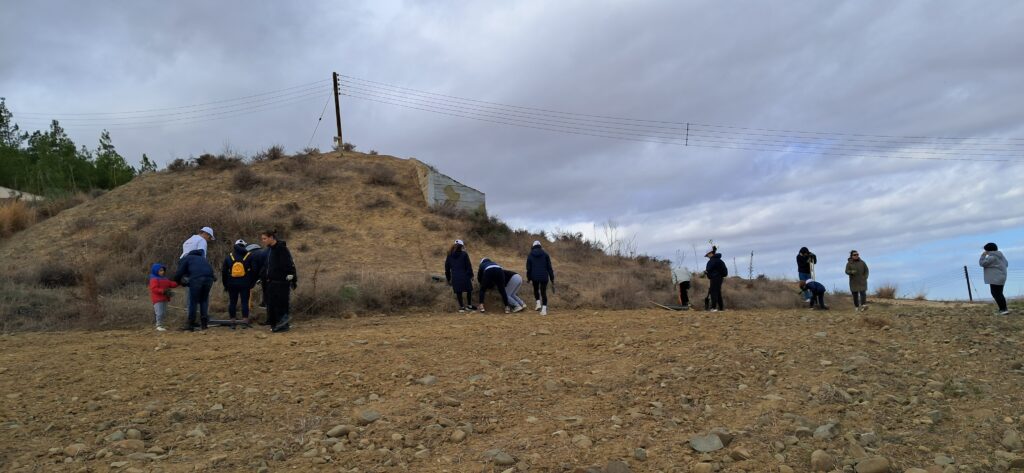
(240, 242)
(459, 242)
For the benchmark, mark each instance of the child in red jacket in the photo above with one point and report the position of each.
(160, 293)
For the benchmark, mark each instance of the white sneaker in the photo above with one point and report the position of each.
(538, 306)
(160, 329)
(1005, 312)
(462, 310)
(714, 310)
(518, 308)
(507, 311)
(543, 310)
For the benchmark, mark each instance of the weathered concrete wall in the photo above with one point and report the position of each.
(6, 193)
(439, 189)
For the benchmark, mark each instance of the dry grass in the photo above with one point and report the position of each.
(887, 291)
(15, 216)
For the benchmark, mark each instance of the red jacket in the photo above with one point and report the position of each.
(157, 286)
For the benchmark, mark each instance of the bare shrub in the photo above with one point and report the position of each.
(311, 151)
(373, 152)
(53, 206)
(56, 273)
(180, 164)
(430, 224)
(29, 307)
(272, 153)
(346, 146)
(874, 322)
(626, 294)
(219, 162)
(886, 291)
(113, 277)
(380, 175)
(245, 179)
(15, 216)
(300, 222)
(330, 228)
(377, 203)
(82, 223)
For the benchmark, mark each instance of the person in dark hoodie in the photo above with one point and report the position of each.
(458, 271)
(716, 271)
(539, 272)
(805, 261)
(279, 278)
(817, 291)
(489, 275)
(236, 274)
(196, 273)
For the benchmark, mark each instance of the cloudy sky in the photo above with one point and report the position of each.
(570, 114)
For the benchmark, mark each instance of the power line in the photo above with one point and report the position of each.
(318, 120)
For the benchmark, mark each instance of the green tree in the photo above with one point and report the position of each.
(111, 168)
(13, 165)
(147, 165)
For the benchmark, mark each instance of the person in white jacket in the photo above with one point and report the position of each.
(995, 265)
(198, 242)
(681, 279)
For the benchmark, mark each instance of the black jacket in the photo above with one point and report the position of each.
(459, 271)
(240, 256)
(508, 275)
(803, 262)
(716, 268)
(489, 275)
(279, 264)
(193, 266)
(538, 266)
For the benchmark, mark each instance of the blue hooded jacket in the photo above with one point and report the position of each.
(194, 266)
(154, 271)
(538, 266)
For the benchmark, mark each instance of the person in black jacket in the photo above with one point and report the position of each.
(458, 271)
(196, 273)
(804, 261)
(489, 275)
(257, 258)
(236, 274)
(279, 277)
(539, 271)
(716, 271)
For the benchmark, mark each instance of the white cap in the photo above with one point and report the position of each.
(240, 242)
(459, 242)
(536, 242)
(208, 231)
(252, 247)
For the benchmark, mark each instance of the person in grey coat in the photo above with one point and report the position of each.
(857, 269)
(995, 265)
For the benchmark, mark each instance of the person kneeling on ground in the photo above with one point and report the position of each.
(279, 277)
(491, 275)
(199, 275)
(539, 272)
(512, 283)
(817, 291)
(160, 293)
(236, 275)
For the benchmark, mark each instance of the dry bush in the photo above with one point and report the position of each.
(180, 164)
(921, 295)
(368, 292)
(53, 206)
(573, 247)
(886, 291)
(380, 175)
(245, 179)
(373, 152)
(272, 153)
(55, 273)
(28, 307)
(377, 203)
(82, 223)
(874, 322)
(218, 162)
(311, 151)
(624, 293)
(15, 216)
(310, 171)
(300, 222)
(112, 277)
(430, 224)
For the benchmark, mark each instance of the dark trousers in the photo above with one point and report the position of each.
(469, 298)
(860, 298)
(715, 292)
(494, 277)
(997, 294)
(540, 292)
(277, 295)
(818, 298)
(684, 297)
(234, 294)
(199, 299)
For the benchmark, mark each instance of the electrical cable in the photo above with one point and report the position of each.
(318, 120)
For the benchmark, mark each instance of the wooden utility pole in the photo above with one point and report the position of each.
(967, 276)
(337, 110)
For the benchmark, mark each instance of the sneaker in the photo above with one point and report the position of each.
(518, 308)
(538, 306)
(714, 310)
(281, 328)
(543, 310)
(807, 301)
(507, 311)
(187, 328)
(160, 328)
(462, 310)
(1004, 312)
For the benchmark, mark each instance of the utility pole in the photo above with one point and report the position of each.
(967, 276)
(337, 110)
(750, 270)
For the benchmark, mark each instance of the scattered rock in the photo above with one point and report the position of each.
(1011, 440)
(874, 465)
(75, 449)
(366, 416)
(115, 437)
(640, 454)
(134, 434)
(826, 432)
(339, 431)
(740, 454)
(503, 459)
(822, 461)
(703, 468)
(706, 443)
(785, 469)
(723, 434)
(582, 441)
(428, 380)
(129, 445)
(616, 466)
(458, 435)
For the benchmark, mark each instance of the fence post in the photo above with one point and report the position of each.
(967, 276)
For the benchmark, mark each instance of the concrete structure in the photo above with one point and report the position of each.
(11, 194)
(439, 189)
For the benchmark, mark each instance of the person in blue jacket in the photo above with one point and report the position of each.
(196, 273)
(817, 291)
(489, 275)
(716, 271)
(458, 271)
(539, 272)
(237, 275)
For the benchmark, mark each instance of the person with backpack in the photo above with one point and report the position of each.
(160, 293)
(716, 271)
(995, 266)
(195, 272)
(458, 271)
(237, 277)
(681, 280)
(857, 269)
(805, 261)
(489, 275)
(279, 278)
(513, 281)
(539, 272)
(257, 258)
(817, 291)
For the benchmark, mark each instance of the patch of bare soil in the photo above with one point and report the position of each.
(936, 388)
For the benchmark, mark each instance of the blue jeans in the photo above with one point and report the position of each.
(199, 298)
(806, 292)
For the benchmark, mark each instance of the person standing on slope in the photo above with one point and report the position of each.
(995, 265)
(198, 242)
(237, 276)
(458, 271)
(539, 272)
(197, 269)
(489, 275)
(805, 261)
(857, 269)
(279, 279)
(681, 280)
(716, 271)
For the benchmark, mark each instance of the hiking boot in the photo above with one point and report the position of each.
(538, 306)
(543, 310)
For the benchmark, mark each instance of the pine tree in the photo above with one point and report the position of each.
(147, 165)
(111, 168)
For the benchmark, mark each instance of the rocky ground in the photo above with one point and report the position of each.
(900, 388)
